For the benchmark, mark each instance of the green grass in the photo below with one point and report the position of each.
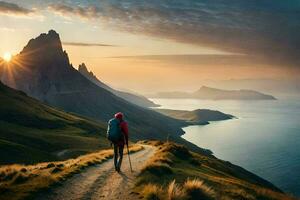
(32, 132)
(174, 172)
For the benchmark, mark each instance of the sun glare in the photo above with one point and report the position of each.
(7, 56)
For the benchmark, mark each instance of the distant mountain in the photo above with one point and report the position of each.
(133, 98)
(32, 132)
(279, 87)
(217, 94)
(196, 117)
(43, 71)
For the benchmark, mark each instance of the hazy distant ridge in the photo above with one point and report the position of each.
(216, 94)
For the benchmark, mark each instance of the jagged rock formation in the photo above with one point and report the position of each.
(133, 98)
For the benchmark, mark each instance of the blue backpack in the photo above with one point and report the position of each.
(114, 132)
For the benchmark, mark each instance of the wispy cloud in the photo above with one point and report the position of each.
(82, 44)
(262, 28)
(199, 59)
(87, 12)
(13, 9)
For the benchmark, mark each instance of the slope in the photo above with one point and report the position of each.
(174, 172)
(133, 98)
(32, 132)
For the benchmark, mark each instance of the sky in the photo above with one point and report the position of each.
(148, 46)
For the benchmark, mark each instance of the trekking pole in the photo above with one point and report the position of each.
(128, 156)
(129, 159)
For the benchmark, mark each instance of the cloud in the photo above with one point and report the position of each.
(13, 9)
(262, 28)
(87, 44)
(200, 59)
(87, 12)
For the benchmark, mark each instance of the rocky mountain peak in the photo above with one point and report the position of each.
(84, 71)
(45, 52)
(82, 68)
(44, 42)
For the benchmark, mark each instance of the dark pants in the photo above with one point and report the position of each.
(118, 156)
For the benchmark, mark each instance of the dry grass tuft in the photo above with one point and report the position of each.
(177, 150)
(222, 180)
(196, 189)
(158, 169)
(175, 192)
(152, 192)
(19, 181)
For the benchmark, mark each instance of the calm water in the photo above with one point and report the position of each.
(265, 139)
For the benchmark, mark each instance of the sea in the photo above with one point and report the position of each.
(264, 138)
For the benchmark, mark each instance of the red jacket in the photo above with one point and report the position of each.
(124, 129)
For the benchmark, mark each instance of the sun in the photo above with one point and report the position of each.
(7, 56)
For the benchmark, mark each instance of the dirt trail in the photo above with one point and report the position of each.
(101, 181)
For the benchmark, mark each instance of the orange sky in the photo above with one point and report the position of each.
(176, 64)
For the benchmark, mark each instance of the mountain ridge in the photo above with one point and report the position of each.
(133, 98)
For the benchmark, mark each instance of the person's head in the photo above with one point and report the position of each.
(119, 116)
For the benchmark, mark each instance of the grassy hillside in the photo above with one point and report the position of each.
(199, 116)
(24, 181)
(32, 132)
(177, 173)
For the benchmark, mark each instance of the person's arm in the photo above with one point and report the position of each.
(124, 127)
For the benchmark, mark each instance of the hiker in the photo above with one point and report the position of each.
(117, 134)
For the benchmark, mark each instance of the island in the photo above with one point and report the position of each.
(209, 93)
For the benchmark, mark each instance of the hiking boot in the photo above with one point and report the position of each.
(118, 170)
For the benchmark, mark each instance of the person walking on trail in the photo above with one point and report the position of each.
(117, 134)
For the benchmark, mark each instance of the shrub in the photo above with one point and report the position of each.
(50, 165)
(158, 169)
(60, 165)
(177, 150)
(196, 189)
(56, 170)
(8, 174)
(21, 178)
(23, 170)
